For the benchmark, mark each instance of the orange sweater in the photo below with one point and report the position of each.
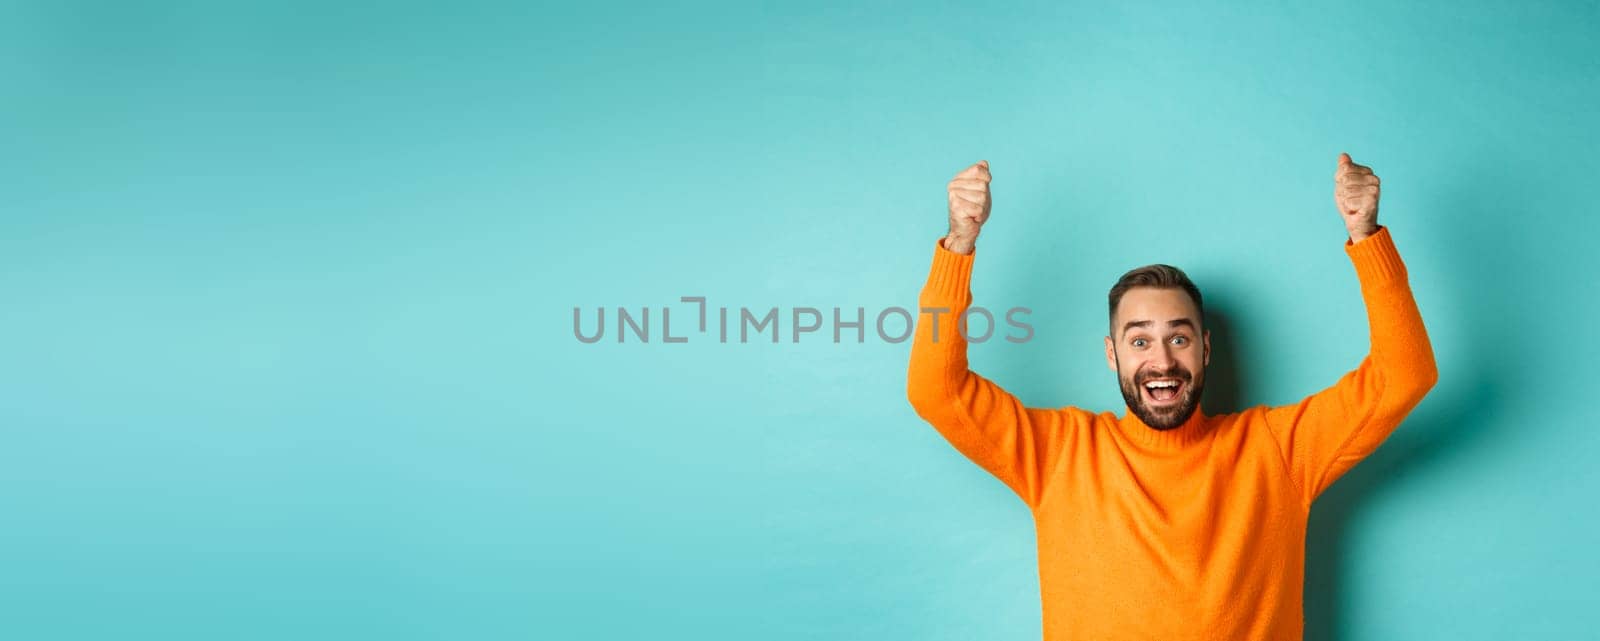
(1192, 533)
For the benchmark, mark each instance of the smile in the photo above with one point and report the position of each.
(1163, 391)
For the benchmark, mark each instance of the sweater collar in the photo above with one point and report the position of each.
(1191, 431)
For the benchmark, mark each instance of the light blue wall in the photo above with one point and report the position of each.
(286, 305)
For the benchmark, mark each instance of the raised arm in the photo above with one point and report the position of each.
(984, 422)
(1327, 433)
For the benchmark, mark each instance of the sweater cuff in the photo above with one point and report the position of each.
(951, 274)
(1375, 257)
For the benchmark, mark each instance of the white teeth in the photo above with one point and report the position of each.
(1155, 384)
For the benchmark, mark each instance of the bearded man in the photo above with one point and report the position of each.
(1167, 523)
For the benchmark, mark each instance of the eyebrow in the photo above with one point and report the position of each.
(1144, 323)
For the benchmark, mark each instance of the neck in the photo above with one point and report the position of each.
(1193, 429)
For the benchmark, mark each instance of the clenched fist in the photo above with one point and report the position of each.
(1355, 193)
(969, 207)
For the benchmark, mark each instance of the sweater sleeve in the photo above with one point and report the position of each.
(984, 422)
(1327, 433)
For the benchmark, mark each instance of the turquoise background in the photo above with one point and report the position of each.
(286, 305)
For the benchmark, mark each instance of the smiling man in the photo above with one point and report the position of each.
(1159, 325)
(1166, 523)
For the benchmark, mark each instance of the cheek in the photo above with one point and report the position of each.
(1127, 371)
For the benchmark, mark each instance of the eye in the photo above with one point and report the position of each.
(1138, 342)
(1180, 340)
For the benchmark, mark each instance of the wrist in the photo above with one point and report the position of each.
(959, 244)
(1359, 233)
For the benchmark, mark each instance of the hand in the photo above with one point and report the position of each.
(969, 207)
(1355, 193)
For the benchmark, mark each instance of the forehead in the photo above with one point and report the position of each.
(1155, 304)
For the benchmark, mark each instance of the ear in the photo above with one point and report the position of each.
(1111, 355)
(1207, 341)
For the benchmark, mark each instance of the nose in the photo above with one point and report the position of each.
(1162, 358)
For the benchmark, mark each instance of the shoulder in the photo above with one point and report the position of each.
(1246, 423)
(1069, 417)
(1254, 414)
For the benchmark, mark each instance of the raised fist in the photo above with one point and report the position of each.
(1355, 193)
(969, 207)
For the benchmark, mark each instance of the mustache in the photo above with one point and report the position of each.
(1177, 372)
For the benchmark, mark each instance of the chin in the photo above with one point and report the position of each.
(1166, 417)
(1167, 420)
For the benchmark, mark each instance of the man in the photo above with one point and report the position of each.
(1166, 523)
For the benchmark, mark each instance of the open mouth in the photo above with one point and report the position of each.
(1162, 390)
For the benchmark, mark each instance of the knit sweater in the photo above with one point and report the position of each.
(1197, 532)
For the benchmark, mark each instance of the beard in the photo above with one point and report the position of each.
(1165, 417)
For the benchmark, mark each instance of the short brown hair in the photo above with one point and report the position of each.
(1158, 276)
